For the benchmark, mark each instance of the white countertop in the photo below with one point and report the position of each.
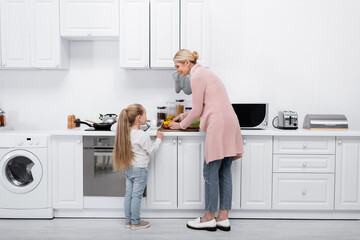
(152, 132)
(267, 132)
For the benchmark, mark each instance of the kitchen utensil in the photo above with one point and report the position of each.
(90, 121)
(286, 120)
(108, 118)
(97, 126)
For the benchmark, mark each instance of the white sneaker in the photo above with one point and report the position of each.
(141, 225)
(223, 225)
(197, 225)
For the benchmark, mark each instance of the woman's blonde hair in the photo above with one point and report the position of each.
(122, 153)
(184, 54)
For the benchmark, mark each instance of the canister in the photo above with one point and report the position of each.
(179, 106)
(161, 115)
(2, 118)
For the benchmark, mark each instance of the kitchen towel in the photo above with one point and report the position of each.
(182, 83)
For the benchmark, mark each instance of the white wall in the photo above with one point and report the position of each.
(301, 55)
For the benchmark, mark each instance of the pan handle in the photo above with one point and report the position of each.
(84, 123)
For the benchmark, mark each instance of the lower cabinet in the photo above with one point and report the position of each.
(347, 180)
(175, 174)
(303, 173)
(67, 157)
(256, 173)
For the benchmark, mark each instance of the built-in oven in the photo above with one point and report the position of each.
(99, 177)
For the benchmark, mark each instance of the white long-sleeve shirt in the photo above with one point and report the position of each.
(142, 147)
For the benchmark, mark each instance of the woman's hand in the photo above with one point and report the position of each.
(176, 119)
(174, 125)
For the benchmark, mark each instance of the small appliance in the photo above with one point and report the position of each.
(326, 122)
(286, 120)
(252, 115)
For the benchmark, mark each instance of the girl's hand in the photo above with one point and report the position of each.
(174, 125)
(159, 134)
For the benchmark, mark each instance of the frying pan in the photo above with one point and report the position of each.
(97, 126)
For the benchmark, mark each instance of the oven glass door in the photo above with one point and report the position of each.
(99, 177)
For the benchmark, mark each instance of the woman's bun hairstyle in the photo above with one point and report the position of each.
(195, 55)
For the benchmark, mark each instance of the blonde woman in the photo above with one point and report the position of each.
(223, 143)
(131, 154)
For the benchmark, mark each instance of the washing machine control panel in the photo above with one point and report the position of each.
(31, 141)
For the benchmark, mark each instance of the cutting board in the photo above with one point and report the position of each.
(179, 130)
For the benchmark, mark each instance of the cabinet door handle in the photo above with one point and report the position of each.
(304, 164)
(339, 142)
(304, 192)
(179, 141)
(305, 145)
(174, 141)
(244, 142)
(79, 141)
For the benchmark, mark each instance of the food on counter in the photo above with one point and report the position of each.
(170, 117)
(165, 124)
(195, 124)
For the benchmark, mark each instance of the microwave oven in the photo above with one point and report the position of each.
(252, 115)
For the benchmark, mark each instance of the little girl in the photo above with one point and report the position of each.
(131, 153)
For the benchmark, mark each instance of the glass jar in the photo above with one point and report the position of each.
(2, 118)
(161, 115)
(179, 106)
(171, 109)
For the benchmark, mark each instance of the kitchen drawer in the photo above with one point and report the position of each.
(304, 163)
(303, 191)
(304, 145)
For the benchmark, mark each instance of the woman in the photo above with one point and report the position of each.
(223, 143)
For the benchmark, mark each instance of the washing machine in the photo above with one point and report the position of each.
(24, 178)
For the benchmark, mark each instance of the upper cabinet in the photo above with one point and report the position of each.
(166, 26)
(30, 35)
(134, 34)
(89, 19)
(195, 28)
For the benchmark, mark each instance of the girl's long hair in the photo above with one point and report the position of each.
(122, 153)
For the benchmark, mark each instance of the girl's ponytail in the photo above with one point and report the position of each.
(122, 153)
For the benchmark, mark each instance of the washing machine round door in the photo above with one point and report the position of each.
(21, 171)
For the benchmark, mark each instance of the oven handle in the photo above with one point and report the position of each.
(102, 153)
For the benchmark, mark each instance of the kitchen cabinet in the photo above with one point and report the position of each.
(347, 181)
(175, 174)
(134, 34)
(191, 185)
(165, 32)
(89, 19)
(195, 28)
(162, 30)
(67, 172)
(30, 35)
(162, 179)
(256, 173)
(303, 173)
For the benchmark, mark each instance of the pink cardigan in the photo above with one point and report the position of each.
(211, 103)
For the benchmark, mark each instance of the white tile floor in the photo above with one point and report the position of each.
(242, 229)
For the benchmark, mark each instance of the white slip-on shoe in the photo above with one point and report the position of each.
(223, 225)
(197, 225)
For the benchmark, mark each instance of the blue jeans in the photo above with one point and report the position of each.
(136, 179)
(217, 176)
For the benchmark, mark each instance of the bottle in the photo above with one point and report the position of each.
(179, 106)
(2, 118)
(161, 115)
